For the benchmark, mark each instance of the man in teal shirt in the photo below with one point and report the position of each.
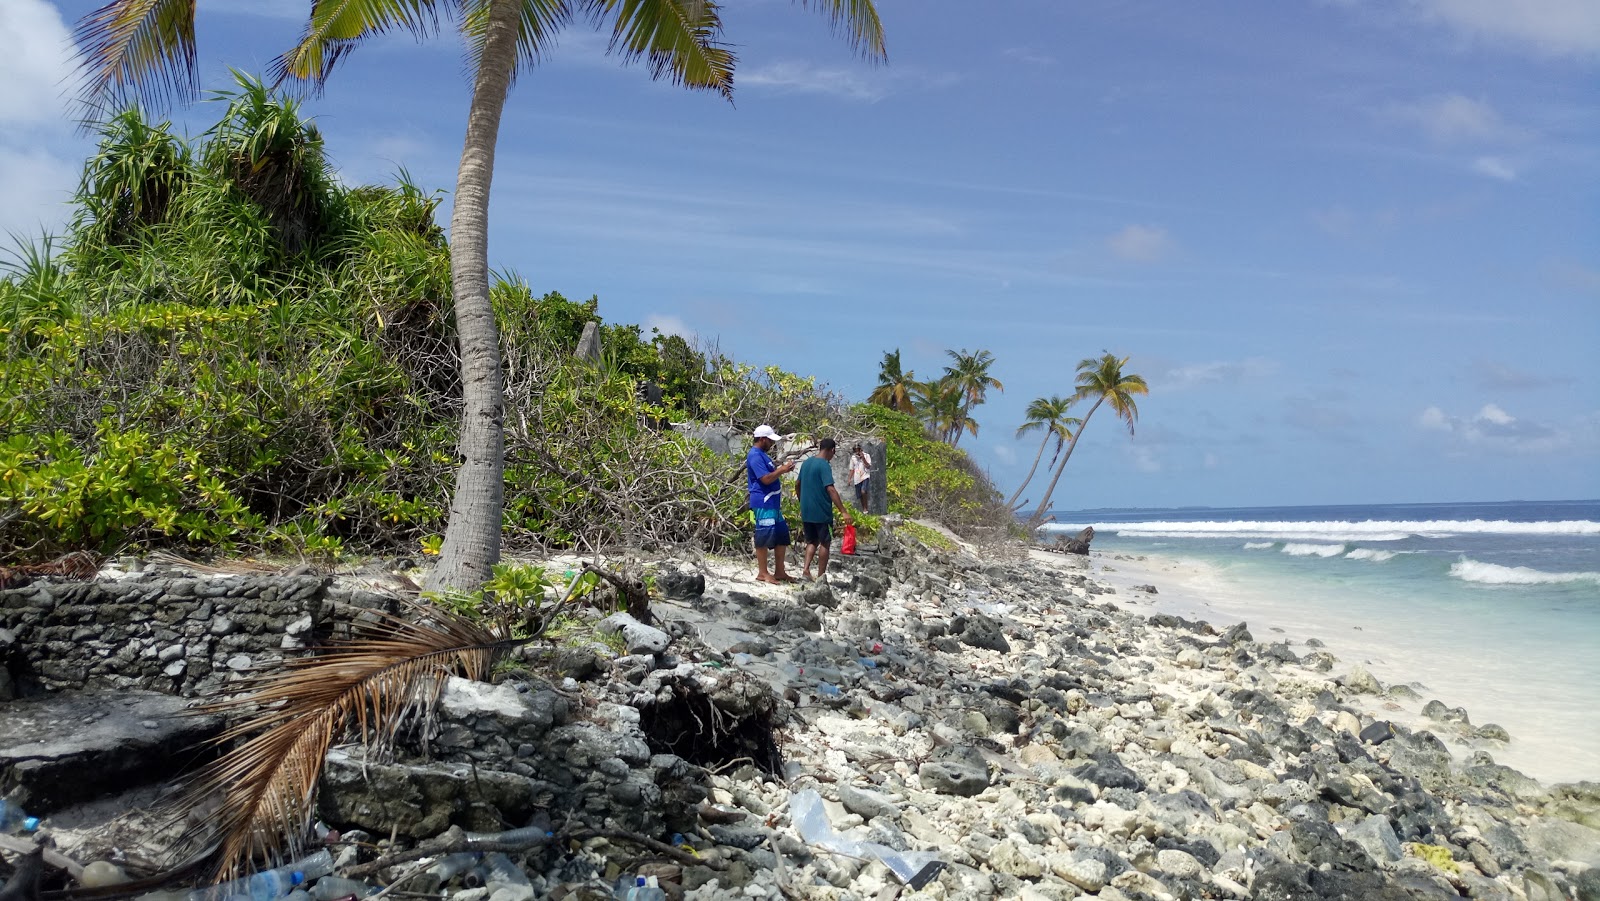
(818, 498)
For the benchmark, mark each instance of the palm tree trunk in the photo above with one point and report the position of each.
(1011, 504)
(1044, 505)
(472, 539)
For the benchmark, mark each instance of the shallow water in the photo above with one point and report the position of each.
(1492, 607)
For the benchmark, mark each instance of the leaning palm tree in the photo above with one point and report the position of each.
(894, 385)
(1101, 378)
(1050, 415)
(147, 47)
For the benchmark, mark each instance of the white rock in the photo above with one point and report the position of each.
(1089, 875)
(1177, 863)
(464, 698)
(1191, 658)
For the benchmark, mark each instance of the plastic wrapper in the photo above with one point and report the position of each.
(914, 868)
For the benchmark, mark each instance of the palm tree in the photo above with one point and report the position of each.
(941, 405)
(1102, 379)
(971, 372)
(894, 385)
(1049, 414)
(147, 47)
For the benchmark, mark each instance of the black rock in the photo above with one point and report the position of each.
(1107, 771)
(1198, 849)
(1237, 634)
(983, 632)
(681, 584)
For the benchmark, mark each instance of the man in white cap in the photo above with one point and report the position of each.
(766, 497)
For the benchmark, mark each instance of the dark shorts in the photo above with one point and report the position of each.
(861, 491)
(771, 528)
(818, 532)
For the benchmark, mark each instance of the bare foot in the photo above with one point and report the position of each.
(763, 577)
(785, 577)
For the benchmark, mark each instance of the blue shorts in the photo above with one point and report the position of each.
(771, 528)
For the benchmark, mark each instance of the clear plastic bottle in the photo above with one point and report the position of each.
(270, 885)
(642, 890)
(15, 819)
(330, 888)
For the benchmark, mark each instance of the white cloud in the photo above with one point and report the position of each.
(1555, 27)
(1494, 167)
(862, 82)
(668, 325)
(36, 70)
(35, 63)
(1007, 454)
(1030, 56)
(1140, 243)
(1456, 119)
(1494, 428)
(1144, 458)
(1228, 372)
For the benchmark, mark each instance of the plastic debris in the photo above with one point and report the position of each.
(914, 868)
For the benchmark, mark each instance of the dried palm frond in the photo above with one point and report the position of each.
(267, 783)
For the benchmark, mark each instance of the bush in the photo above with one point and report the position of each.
(932, 479)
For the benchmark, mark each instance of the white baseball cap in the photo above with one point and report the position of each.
(766, 431)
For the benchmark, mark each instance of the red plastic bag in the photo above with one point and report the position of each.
(847, 544)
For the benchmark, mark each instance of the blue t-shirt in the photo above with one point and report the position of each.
(758, 464)
(816, 474)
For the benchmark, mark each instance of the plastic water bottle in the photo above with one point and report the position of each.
(270, 885)
(14, 819)
(642, 890)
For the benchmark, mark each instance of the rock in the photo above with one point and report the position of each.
(1089, 875)
(588, 347)
(1492, 732)
(1077, 544)
(1376, 836)
(818, 594)
(866, 803)
(952, 777)
(983, 632)
(1361, 682)
(636, 636)
(1237, 634)
(68, 748)
(680, 584)
(1147, 589)
(1181, 864)
(1560, 840)
(1108, 771)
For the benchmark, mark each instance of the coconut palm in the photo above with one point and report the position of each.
(147, 47)
(941, 405)
(894, 385)
(1101, 378)
(1050, 415)
(971, 372)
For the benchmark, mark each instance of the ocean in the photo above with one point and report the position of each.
(1494, 607)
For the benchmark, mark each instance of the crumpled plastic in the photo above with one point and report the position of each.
(914, 868)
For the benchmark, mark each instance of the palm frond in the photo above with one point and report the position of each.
(858, 21)
(336, 26)
(268, 781)
(145, 48)
(677, 39)
(538, 23)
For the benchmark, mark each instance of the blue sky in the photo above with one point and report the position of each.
(1354, 246)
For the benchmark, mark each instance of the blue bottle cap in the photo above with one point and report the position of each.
(30, 824)
(296, 877)
(638, 882)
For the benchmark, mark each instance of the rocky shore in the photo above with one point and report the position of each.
(981, 724)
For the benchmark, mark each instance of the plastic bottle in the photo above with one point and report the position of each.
(641, 890)
(450, 866)
(270, 885)
(15, 819)
(498, 869)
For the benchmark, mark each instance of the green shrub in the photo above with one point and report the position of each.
(927, 477)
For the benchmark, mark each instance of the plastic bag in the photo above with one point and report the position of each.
(847, 544)
(914, 868)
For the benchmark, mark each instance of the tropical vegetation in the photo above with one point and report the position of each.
(943, 404)
(148, 47)
(1049, 415)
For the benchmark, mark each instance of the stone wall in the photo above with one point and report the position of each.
(167, 631)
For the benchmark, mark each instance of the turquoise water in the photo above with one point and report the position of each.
(1495, 607)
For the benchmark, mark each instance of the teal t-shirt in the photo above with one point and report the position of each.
(816, 474)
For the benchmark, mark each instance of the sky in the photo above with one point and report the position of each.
(1353, 246)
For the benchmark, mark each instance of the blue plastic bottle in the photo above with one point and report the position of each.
(14, 819)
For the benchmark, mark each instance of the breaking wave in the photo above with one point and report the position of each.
(1469, 570)
(1313, 550)
(1370, 530)
(1259, 545)
(1367, 553)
